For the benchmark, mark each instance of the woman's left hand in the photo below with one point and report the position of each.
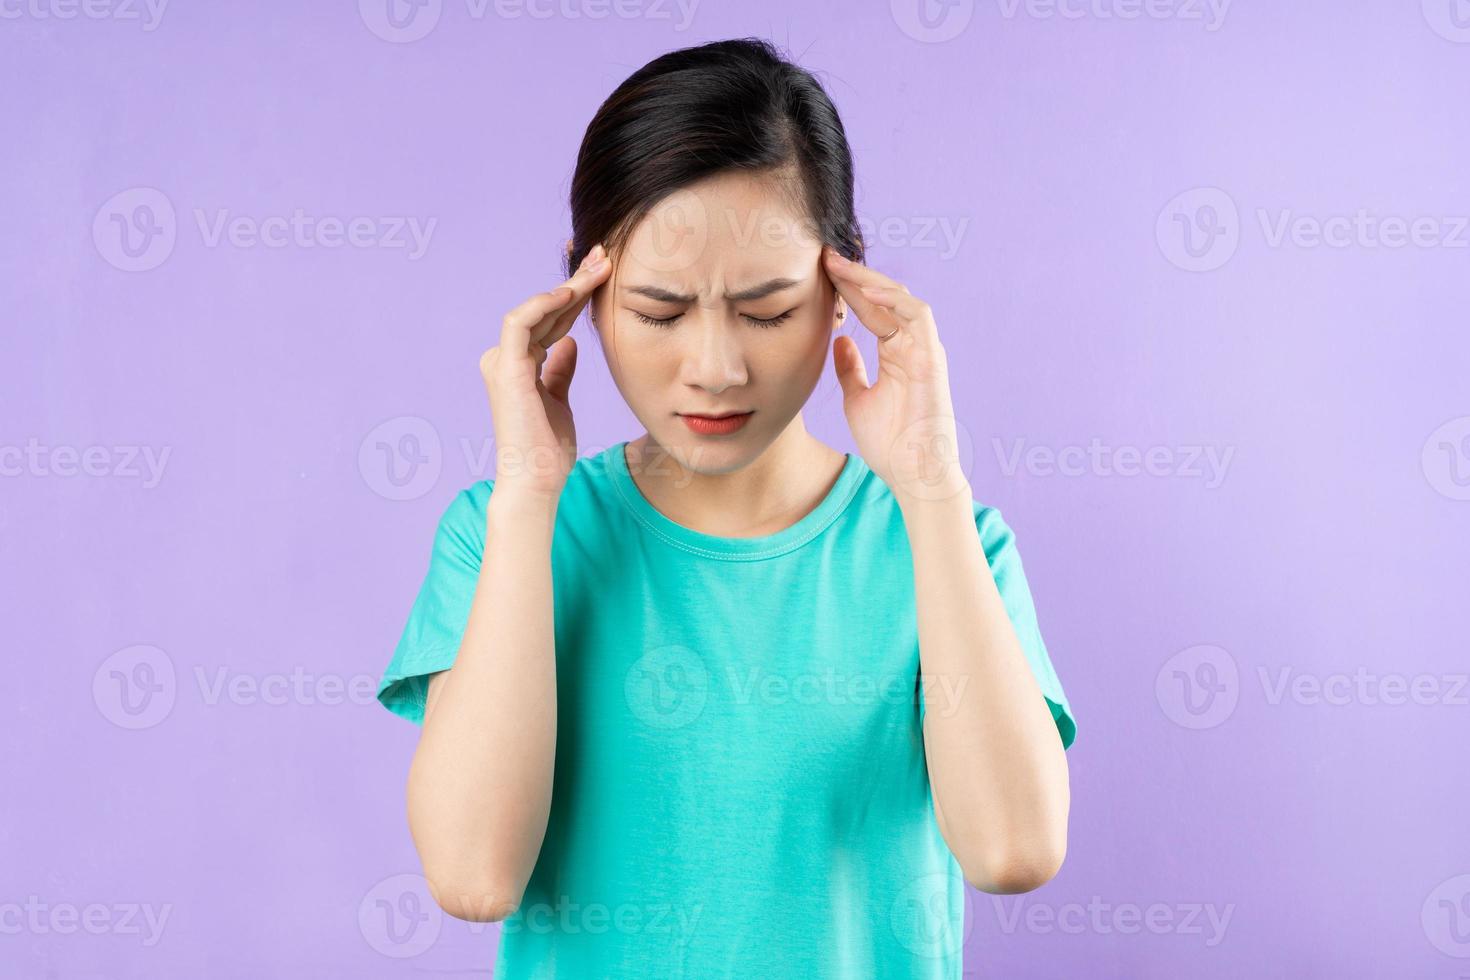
(904, 425)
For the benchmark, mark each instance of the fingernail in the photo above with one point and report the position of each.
(837, 256)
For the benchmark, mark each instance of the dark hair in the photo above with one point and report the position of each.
(695, 112)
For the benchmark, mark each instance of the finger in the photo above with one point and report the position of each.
(841, 266)
(589, 276)
(532, 325)
(515, 327)
(561, 364)
(852, 374)
(879, 321)
(849, 277)
(905, 306)
(913, 314)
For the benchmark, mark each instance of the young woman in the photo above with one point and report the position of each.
(723, 701)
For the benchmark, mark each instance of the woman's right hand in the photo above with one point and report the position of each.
(528, 376)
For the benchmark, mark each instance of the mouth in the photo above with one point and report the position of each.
(716, 425)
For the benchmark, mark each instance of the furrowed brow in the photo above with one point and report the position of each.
(754, 292)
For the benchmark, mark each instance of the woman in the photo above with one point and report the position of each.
(722, 700)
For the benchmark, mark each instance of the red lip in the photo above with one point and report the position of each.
(716, 425)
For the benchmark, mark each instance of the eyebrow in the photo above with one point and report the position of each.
(754, 292)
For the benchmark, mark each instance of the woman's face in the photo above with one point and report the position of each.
(718, 304)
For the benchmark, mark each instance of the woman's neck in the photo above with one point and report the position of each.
(777, 488)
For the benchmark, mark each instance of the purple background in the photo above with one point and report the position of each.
(1331, 380)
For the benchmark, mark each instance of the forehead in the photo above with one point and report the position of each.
(732, 224)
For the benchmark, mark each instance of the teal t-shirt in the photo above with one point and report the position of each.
(740, 788)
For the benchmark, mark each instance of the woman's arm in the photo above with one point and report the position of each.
(997, 767)
(479, 789)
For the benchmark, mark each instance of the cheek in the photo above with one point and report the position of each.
(637, 356)
(816, 333)
(796, 356)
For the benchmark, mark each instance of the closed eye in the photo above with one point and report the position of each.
(668, 321)
(770, 321)
(656, 321)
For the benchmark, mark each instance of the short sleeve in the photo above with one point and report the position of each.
(999, 542)
(436, 621)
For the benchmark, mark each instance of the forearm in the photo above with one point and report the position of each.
(479, 789)
(997, 768)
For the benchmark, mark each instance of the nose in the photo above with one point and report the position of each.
(715, 359)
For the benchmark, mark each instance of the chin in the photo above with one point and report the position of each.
(708, 456)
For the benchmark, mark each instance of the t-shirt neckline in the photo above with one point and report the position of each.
(734, 549)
